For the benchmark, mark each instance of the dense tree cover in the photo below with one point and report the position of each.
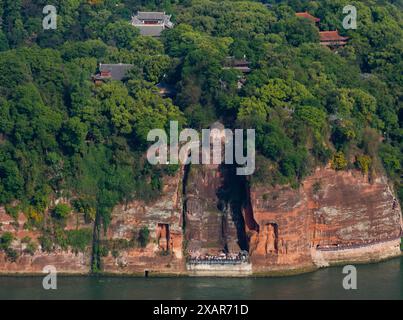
(60, 135)
(307, 103)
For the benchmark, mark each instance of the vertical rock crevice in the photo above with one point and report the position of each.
(185, 177)
(233, 196)
(213, 202)
(95, 256)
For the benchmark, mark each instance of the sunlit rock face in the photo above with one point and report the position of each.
(333, 217)
(65, 261)
(331, 212)
(213, 220)
(163, 220)
(283, 234)
(209, 224)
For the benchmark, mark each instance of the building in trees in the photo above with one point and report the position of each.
(241, 65)
(332, 39)
(111, 72)
(152, 23)
(307, 15)
(237, 64)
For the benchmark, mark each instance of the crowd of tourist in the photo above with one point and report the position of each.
(222, 258)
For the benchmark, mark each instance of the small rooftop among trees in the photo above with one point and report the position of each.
(238, 64)
(152, 23)
(307, 15)
(332, 39)
(111, 72)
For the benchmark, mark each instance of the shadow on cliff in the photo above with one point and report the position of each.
(233, 198)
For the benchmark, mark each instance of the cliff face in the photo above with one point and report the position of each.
(282, 236)
(332, 217)
(209, 223)
(33, 261)
(163, 221)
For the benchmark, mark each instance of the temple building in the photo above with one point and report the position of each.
(152, 23)
(111, 72)
(237, 64)
(240, 65)
(307, 15)
(332, 39)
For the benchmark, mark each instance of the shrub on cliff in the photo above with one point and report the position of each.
(5, 240)
(46, 243)
(339, 161)
(12, 255)
(31, 248)
(391, 159)
(87, 207)
(363, 162)
(61, 211)
(143, 237)
(79, 240)
(12, 211)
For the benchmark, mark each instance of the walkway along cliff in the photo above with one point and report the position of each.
(333, 217)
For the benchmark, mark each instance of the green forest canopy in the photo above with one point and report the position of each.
(60, 135)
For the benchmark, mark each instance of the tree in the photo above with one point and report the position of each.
(13, 71)
(3, 42)
(61, 211)
(363, 163)
(11, 181)
(391, 158)
(298, 30)
(312, 117)
(339, 161)
(5, 240)
(143, 237)
(120, 33)
(72, 135)
(117, 103)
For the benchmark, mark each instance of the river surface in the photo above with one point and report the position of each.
(375, 281)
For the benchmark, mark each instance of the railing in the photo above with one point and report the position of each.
(217, 261)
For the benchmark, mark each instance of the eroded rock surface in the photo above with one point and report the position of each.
(65, 261)
(333, 217)
(209, 224)
(331, 211)
(163, 219)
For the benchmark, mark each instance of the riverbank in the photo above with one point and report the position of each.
(186, 274)
(375, 281)
(374, 252)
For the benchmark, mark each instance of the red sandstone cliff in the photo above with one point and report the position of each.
(334, 216)
(65, 261)
(163, 219)
(209, 227)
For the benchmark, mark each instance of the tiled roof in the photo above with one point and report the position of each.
(151, 23)
(118, 71)
(331, 36)
(239, 64)
(150, 30)
(307, 15)
(142, 15)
